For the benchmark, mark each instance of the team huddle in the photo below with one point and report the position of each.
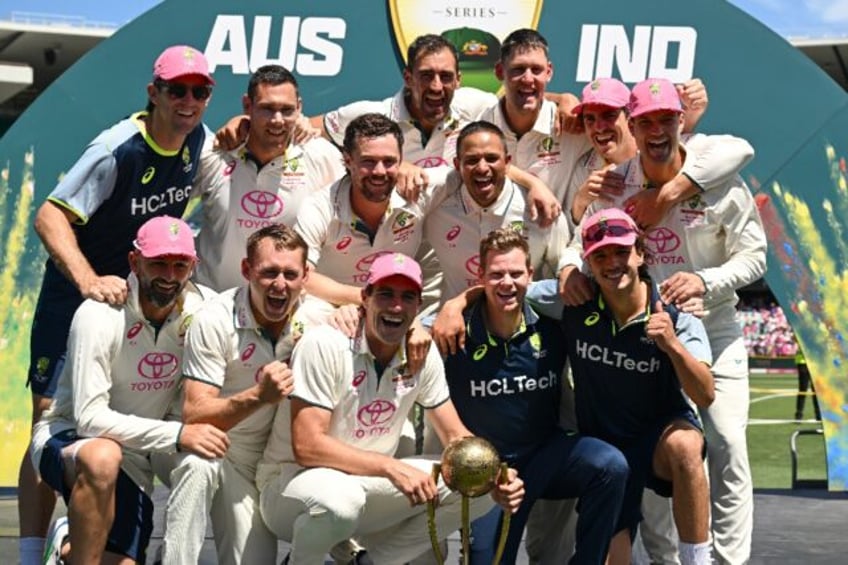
(288, 322)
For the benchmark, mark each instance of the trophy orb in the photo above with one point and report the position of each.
(470, 466)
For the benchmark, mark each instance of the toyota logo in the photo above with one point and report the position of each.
(377, 413)
(661, 240)
(261, 204)
(156, 365)
(473, 265)
(430, 162)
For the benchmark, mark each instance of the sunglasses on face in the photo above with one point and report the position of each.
(178, 90)
(613, 228)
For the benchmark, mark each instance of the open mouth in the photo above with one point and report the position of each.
(393, 322)
(277, 302)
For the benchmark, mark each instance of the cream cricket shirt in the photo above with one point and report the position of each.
(455, 229)
(369, 409)
(340, 245)
(549, 157)
(440, 148)
(227, 348)
(717, 234)
(121, 378)
(241, 197)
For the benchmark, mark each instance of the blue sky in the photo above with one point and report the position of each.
(790, 18)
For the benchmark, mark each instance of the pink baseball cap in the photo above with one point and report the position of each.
(391, 264)
(654, 94)
(181, 60)
(605, 92)
(610, 226)
(164, 235)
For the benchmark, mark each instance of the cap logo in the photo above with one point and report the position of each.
(596, 85)
(188, 55)
(655, 89)
(174, 228)
(399, 259)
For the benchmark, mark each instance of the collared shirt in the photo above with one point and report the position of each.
(508, 390)
(440, 148)
(454, 230)
(551, 158)
(717, 234)
(341, 246)
(624, 385)
(239, 197)
(121, 180)
(368, 408)
(227, 348)
(121, 378)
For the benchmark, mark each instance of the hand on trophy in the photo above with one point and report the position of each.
(472, 467)
(508, 493)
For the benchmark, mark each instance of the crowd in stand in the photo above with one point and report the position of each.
(766, 331)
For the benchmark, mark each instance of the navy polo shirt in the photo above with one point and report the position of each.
(508, 391)
(624, 385)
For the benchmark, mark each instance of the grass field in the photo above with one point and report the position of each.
(770, 426)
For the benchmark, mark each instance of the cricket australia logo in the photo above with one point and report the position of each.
(476, 30)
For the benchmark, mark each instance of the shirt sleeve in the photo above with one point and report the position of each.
(313, 221)
(433, 389)
(206, 347)
(713, 160)
(543, 297)
(744, 241)
(335, 121)
(470, 103)
(92, 347)
(692, 334)
(209, 177)
(89, 183)
(315, 377)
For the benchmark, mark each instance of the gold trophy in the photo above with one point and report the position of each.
(469, 466)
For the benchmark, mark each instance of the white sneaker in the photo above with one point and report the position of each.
(57, 536)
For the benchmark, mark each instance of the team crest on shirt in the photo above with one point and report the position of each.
(184, 324)
(402, 226)
(547, 151)
(536, 343)
(186, 159)
(41, 366)
(692, 211)
(292, 164)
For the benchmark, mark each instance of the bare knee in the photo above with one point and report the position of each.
(97, 463)
(679, 454)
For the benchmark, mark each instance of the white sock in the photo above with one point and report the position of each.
(31, 550)
(695, 553)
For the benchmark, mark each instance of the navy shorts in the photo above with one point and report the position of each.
(640, 458)
(48, 341)
(133, 524)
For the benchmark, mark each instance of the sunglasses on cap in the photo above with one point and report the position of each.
(604, 228)
(177, 90)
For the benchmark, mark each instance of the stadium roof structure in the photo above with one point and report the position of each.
(36, 48)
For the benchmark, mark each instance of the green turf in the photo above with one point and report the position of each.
(772, 399)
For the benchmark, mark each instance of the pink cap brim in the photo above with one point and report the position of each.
(626, 240)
